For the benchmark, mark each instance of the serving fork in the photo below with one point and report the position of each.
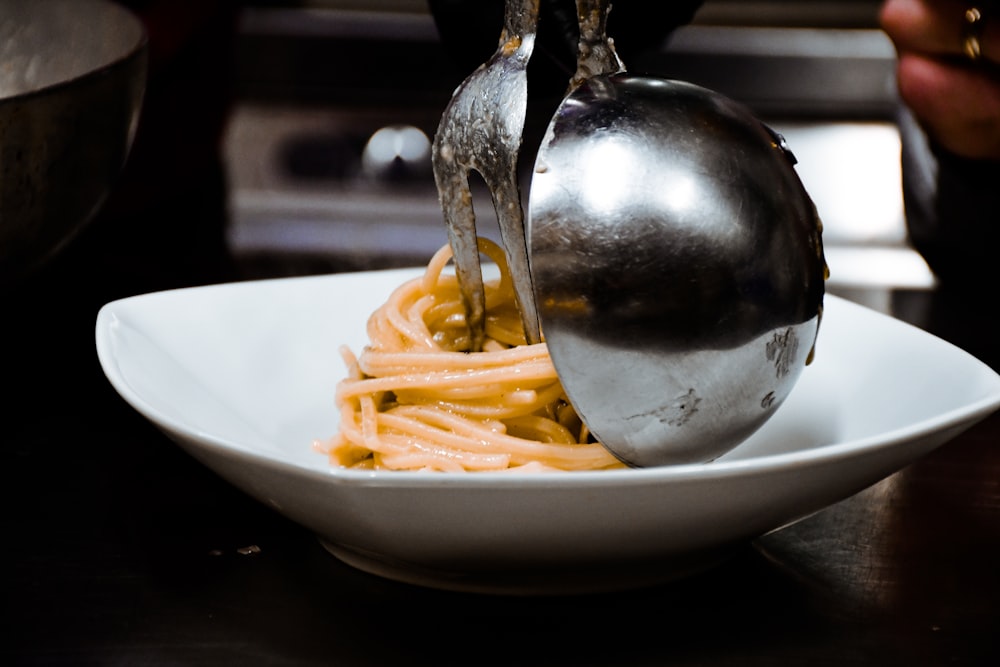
(481, 130)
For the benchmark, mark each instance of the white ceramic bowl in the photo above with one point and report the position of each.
(242, 376)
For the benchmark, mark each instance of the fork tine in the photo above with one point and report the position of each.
(510, 215)
(481, 130)
(460, 219)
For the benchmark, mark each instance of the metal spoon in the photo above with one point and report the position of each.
(677, 261)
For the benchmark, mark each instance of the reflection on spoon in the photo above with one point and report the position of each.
(677, 261)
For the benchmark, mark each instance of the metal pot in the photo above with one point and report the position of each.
(72, 79)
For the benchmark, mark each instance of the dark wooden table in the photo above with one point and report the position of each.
(122, 550)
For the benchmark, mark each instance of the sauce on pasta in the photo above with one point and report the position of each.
(416, 399)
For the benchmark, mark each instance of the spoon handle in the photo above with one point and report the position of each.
(596, 55)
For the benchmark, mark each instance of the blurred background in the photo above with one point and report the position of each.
(335, 102)
(292, 137)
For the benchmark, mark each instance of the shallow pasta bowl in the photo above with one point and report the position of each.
(242, 376)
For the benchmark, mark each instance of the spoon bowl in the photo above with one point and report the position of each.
(678, 266)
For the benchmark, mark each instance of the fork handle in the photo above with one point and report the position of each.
(520, 19)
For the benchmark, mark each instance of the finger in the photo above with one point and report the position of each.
(957, 105)
(937, 27)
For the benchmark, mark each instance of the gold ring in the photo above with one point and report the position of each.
(973, 23)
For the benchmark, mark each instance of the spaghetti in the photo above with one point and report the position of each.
(417, 399)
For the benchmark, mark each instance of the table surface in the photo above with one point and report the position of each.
(123, 550)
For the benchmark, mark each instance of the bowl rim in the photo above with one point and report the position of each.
(137, 50)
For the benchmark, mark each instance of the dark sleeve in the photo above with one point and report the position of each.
(952, 210)
(470, 32)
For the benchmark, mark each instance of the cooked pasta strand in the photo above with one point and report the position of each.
(417, 399)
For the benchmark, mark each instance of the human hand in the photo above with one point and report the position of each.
(954, 94)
